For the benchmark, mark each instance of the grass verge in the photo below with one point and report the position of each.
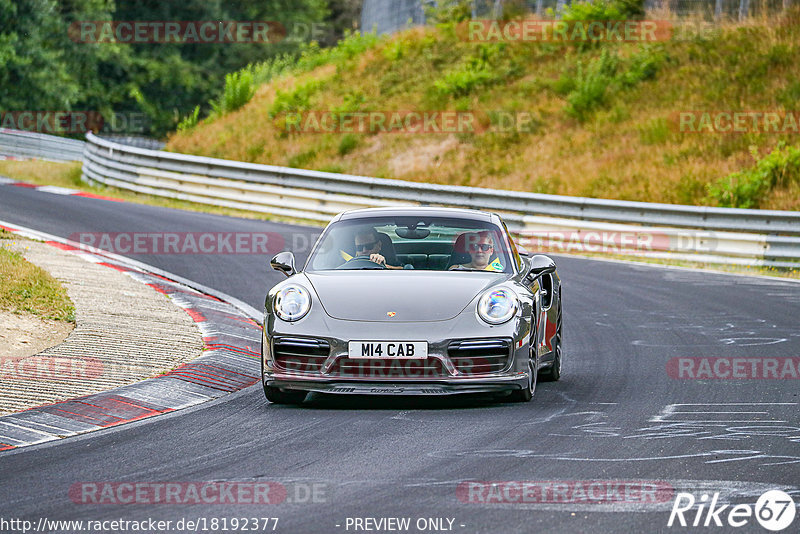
(28, 288)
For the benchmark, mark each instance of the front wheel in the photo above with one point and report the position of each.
(553, 373)
(526, 394)
(279, 396)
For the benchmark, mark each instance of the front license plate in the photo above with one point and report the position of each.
(401, 350)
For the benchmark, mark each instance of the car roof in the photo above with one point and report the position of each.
(410, 211)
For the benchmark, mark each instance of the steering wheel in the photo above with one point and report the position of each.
(360, 262)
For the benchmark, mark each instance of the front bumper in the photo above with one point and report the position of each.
(447, 380)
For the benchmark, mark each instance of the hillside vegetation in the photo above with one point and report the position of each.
(596, 120)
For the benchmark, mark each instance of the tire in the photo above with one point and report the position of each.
(526, 394)
(279, 396)
(553, 373)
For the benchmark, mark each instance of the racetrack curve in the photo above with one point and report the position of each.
(615, 416)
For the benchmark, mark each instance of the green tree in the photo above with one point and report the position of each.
(171, 79)
(34, 67)
(45, 67)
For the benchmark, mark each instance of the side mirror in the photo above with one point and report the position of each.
(540, 264)
(283, 262)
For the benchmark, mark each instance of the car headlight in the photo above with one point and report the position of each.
(497, 306)
(292, 303)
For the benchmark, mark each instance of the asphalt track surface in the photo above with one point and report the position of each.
(616, 415)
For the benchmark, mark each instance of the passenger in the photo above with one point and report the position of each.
(368, 245)
(480, 247)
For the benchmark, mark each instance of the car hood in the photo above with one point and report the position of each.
(412, 296)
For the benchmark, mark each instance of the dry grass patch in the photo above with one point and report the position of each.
(34, 171)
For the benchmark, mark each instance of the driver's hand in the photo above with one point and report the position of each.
(377, 258)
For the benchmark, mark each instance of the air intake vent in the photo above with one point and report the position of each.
(301, 355)
(480, 356)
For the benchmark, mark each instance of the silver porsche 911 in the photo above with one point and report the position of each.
(412, 301)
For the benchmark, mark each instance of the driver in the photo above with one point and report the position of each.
(368, 245)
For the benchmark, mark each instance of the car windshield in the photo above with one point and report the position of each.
(420, 243)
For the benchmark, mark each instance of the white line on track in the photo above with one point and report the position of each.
(57, 190)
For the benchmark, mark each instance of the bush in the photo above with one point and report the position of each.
(644, 65)
(630, 9)
(476, 72)
(348, 143)
(790, 95)
(463, 81)
(238, 91)
(190, 121)
(297, 100)
(353, 44)
(593, 85)
(272, 68)
(588, 11)
(351, 102)
(444, 11)
(394, 50)
(746, 189)
(302, 159)
(604, 10)
(598, 10)
(590, 85)
(240, 86)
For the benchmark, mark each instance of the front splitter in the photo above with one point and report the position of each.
(498, 385)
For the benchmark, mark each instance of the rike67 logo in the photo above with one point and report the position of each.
(774, 510)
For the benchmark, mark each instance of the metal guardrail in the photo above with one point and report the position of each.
(133, 140)
(21, 144)
(720, 235)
